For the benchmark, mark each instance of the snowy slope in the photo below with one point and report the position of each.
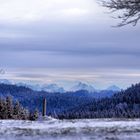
(98, 129)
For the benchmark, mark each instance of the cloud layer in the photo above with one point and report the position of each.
(66, 36)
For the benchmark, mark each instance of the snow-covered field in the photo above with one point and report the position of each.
(100, 129)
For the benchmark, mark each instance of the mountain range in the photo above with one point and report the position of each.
(78, 104)
(56, 88)
(56, 102)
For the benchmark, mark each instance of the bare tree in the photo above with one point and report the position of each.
(129, 10)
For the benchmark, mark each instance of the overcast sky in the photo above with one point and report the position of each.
(65, 41)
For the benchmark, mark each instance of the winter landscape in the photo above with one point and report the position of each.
(69, 70)
(79, 115)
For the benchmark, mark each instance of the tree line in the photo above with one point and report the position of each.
(14, 110)
(125, 104)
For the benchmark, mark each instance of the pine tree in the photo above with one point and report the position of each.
(17, 110)
(9, 107)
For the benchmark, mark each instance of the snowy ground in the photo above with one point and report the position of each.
(100, 129)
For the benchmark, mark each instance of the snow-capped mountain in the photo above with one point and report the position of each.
(113, 88)
(56, 88)
(83, 86)
(53, 88)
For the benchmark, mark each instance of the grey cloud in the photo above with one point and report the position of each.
(83, 46)
(55, 61)
(31, 75)
(82, 40)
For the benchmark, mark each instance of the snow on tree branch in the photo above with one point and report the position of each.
(129, 10)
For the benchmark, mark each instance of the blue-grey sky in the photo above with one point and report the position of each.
(65, 41)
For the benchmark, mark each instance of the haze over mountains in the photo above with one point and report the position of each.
(57, 88)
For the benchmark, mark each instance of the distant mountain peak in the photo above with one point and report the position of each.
(53, 88)
(83, 86)
(113, 88)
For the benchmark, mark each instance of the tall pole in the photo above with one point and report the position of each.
(44, 107)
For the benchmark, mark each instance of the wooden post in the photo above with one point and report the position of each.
(44, 107)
